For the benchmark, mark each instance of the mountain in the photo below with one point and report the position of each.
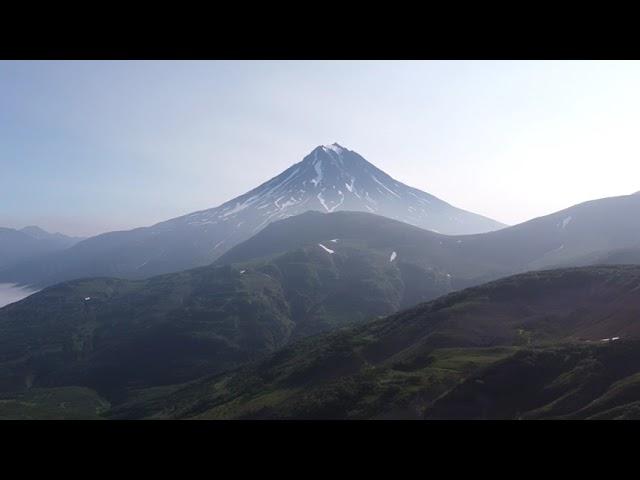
(578, 235)
(603, 231)
(41, 234)
(30, 242)
(431, 250)
(550, 343)
(299, 276)
(113, 335)
(330, 178)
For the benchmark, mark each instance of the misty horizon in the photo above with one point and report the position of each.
(93, 147)
(133, 226)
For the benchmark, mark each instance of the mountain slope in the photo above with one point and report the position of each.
(595, 381)
(628, 256)
(329, 179)
(604, 231)
(65, 403)
(329, 270)
(563, 238)
(106, 333)
(112, 335)
(399, 366)
(30, 242)
(372, 231)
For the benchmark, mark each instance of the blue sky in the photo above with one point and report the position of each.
(88, 147)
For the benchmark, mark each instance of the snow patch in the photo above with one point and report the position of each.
(375, 179)
(420, 199)
(334, 148)
(197, 223)
(317, 165)
(329, 209)
(240, 206)
(349, 186)
(369, 199)
(393, 256)
(288, 203)
(321, 199)
(328, 250)
(277, 200)
(566, 222)
(142, 265)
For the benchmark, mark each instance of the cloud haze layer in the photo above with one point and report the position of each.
(87, 147)
(10, 293)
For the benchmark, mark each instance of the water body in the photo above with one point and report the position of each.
(10, 293)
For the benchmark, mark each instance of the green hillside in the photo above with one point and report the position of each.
(115, 335)
(404, 366)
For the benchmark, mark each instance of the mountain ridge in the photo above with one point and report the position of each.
(597, 231)
(328, 179)
(29, 242)
(401, 365)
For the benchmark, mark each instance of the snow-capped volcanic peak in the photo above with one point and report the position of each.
(332, 178)
(334, 147)
(328, 179)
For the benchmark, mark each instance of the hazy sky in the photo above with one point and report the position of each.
(87, 147)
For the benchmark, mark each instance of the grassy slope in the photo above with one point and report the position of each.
(398, 366)
(163, 330)
(63, 403)
(598, 380)
(177, 327)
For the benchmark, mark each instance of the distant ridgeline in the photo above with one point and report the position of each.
(329, 179)
(30, 242)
